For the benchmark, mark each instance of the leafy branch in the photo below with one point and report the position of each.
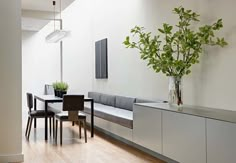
(177, 51)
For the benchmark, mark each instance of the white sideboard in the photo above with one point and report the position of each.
(147, 128)
(189, 135)
(221, 142)
(184, 138)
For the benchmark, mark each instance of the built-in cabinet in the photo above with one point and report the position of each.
(221, 142)
(184, 138)
(187, 136)
(147, 128)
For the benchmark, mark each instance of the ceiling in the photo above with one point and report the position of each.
(31, 24)
(37, 13)
(44, 5)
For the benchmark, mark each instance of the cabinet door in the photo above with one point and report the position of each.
(147, 128)
(184, 137)
(221, 142)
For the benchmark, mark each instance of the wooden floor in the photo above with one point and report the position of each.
(100, 149)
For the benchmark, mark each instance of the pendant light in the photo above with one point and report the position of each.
(58, 34)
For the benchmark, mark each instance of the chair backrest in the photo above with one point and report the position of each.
(49, 90)
(73, 104)
(29, 100)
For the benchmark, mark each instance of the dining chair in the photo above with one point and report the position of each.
(74, 104)
(48, 89)
(36, 114)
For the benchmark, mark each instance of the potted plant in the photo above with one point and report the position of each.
(173, 51)
(60, 88)
(56, 88)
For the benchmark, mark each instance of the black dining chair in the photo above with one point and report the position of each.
(36, 114)
(74, 104)
(49, 90)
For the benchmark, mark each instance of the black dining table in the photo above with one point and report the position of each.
(53, 99)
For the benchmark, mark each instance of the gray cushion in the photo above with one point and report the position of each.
(107, 99)
(95, 96)
(112, 114)
(124, 102)
(55, 107)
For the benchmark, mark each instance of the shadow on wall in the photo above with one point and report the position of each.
(27, 35)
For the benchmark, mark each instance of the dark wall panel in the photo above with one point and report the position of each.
(97, 59)
(101, 67)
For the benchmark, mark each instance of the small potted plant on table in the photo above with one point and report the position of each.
(60, 88)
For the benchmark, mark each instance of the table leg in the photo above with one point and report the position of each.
(92, 118)
(35, 105)
(46, 120)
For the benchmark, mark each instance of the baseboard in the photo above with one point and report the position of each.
(145, 150)
(12, 158)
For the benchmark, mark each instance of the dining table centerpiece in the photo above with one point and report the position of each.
(60, 88)
(175, 48)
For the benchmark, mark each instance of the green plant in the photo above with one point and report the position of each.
(55, 86)
(173, 52)
(60, 86)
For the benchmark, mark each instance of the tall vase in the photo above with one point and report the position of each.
(175, 91)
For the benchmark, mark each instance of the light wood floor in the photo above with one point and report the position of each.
(100, 149)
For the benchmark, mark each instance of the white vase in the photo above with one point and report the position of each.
(175, 91)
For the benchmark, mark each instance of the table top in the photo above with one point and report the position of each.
(212, 113)
(53, 98)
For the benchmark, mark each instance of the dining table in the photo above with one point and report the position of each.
(46, 99)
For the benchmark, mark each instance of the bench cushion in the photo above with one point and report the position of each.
(109, 113)
(124, 102)
(95, 96)
(55, 107)
(107, 99)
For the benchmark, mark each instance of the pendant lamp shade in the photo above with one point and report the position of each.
(57, 35)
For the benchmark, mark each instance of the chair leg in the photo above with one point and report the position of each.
(50, 126)
(53, 127)
(85, 131)
(56, 130)
(61, 132)
(30, 124)
(80, 129)
(27, 127)
(35, 122)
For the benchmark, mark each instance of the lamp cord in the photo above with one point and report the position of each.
(60, 9)
(54, 4)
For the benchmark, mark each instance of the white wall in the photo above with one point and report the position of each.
(210, 84)
(40, 62)
(127, 74)
(78, 47)
(10, 72)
